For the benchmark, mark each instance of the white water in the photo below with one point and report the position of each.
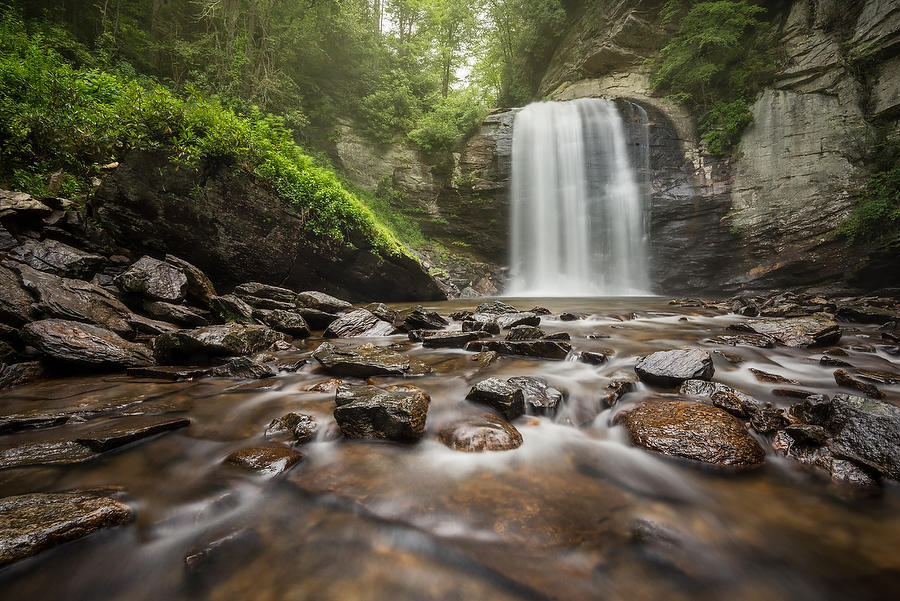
(578, 211)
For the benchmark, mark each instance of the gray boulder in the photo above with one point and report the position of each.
(77, 343)
(154, 279)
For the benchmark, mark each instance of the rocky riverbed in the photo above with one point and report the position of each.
(160, 438)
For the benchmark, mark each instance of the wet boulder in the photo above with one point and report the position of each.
(496, 308)
(297, 427)
(244, 368)
(178, 314)
(254, 292)
(395, 413)
(541, 349)
(866, 431)
(358, 323)
(481, 322)
(154, 279)
(615, 390)
(511, 320)
(231, 308)
(35, 522)
(215, 341)
(58, 258)
(382, 312)
(367, 360)
(767, 419)
(730, 399)
(76, 343)
(450, 339)
(671, 368)
(592, 357)
(289, 322)
(199, 287)
(322, 302)
(504, 397)
(269, 461)
(842, 378)
(540, 397)
(524, 332)
(692, 431)
(483, 433)
(420, 318)
(813, 330)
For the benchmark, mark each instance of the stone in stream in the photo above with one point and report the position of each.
(540, 397)
(358, 323)
(75, 343)
(231, 308)
(842, 378)
(747, 339)
(814, 330)
(244, 368)
(419, 335)
(882, 377)
(382, 312)
(289, 322)
(395, 413)
(154, 279)
(485, 358)
(558, 336)
(525, 332)
(320, 301)
(451, 339)
(367, 360)
(570, 317)
(671, 368)
(222, 553)
(76, 300)
(866, 431)
(16, 374)
(827, 361)
(483, 433)
(510, 320)
(35, 522)
(724, 397)
(615, 390)
(766, 419)
(485, 324)
(592, 357)
(692, 431)
(182, 315)
(57, 258)
(420, 318)
(769, 378)
(199, 287)
(298, 427)
(270, 461)
(215, 341)
(496, 308)
(507, 399)
(542, 349)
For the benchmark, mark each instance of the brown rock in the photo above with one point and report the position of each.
(484, 433)
(266, 460)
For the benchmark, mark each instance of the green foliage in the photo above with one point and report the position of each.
(54, 116)
(452, 118)
(716, 62)
(876, 219)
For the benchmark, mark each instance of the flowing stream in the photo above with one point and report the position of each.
(575, 513)
(579, 224)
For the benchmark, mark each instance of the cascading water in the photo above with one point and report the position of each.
(578, 208)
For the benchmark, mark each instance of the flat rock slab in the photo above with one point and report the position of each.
(483, 433)
(746, 339)
(693, 431)
(35, 522)
(322, 302)
(814, 330)
(367, 360)
(265, 460)
(213, 341)
(496, 308)
(358, 323)
(511, 320)
(540, 397)
(671, 368)
(506, 398)
(450, 339)
(267, 292)
(180, 314)
(171, 373)
(58, 258)
(420, 318)
(394, 413)
(17, 203)
(80, 442)
(866, 431)
(540, 349)
(83, 344)
(154, 279)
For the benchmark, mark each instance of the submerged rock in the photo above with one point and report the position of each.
(38, 521)
(320, 301)
(394, 413)
(154, 279)
(483, 433)
(540, 397)
(270, 461)
(172, 373)
(506, 398)
(543, 349)
(84, 344)
(297, 427)
(592, 357)
(693, 431)
(671, 368)
(814, 330)
(747, 339)
(215, 341)
(367, 360)
(359, 323)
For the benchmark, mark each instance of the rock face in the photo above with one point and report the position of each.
(692, 431)
(35, 522)
(671, 368)
(484, 433)
(82, 344)
(236, 231)
(395, 413)
(366, 360)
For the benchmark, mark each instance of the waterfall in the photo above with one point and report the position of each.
(579, 225)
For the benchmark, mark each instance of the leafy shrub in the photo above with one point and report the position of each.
(451, 119)
(876, 218)
(54, 116)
